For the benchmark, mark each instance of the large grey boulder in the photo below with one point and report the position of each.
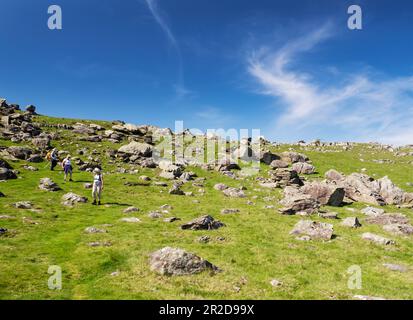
(303, 168)
(293, 157)
(296, 202)
(137, 148)
(314, 230)
(325, 194)
(203, 223)
(399, 229)
(174, 261)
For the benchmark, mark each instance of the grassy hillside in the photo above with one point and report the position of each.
(254, 247)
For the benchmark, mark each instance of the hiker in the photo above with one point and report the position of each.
(67, 167)
(53, 158)
(97, 185)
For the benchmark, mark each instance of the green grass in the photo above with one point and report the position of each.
(257, 246)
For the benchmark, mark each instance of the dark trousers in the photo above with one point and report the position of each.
(53, 164)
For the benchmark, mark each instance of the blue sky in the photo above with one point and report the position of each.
(290, 68)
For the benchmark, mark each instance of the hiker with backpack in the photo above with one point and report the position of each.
(67, 168)
(52, 156)
(97, 186)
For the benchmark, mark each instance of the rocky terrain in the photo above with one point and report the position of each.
(198, 228)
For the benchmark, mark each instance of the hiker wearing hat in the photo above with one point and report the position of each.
(67, 167)
(97, 185)
(53, 158)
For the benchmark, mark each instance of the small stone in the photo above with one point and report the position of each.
(360, 297)
(24, 205)
(276, 283)
(371, 211)
(94, 230)
(395, 267)
(130, 210)
(130, 220)
(229, 211)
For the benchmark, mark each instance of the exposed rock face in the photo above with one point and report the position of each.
(203, 223)
(351, 222)
(303, 168)
(169, 170)
(377, 239)
(137, 148)
(129, 129)
(48, 185)
(173, 261)
(70, 199)
(362, 188)
(313, 229)
(325, 194)
(295, 202)
(286, 177)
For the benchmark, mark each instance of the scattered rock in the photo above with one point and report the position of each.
(303, 168)
(328, 215)
(278, 164)
(373, 212)
(234, 193)
(385, 219)
(276, 283)
(229, 211)
(94, 230)
(48, 185)
(24, 205)
(203, 223)
(324, 193)
(130, 220)
(172, 261)
(351, 222)
(130, 210)
(395, 267)
(313, 229)
(70, 199)
(377, 239)
(399, 229)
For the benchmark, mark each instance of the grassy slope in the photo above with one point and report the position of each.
(257, 248)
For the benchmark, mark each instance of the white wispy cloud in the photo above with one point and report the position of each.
(180, 88)
(357, 107)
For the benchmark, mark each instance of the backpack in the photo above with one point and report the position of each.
(49, 156)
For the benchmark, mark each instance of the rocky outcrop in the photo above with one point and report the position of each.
(325, 194)
(285, 177)
(137, 149)
(303, 168)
